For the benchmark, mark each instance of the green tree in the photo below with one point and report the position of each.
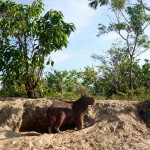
(72, 81)
(113, 71)
(27, 39)
(142, 75)
(56, 80)
(88, 78)
(144, 5)
(117, 4)
(129, 22)
(62, 81)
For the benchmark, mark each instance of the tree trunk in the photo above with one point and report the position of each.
(30, 89)
(130, 78)
(31, 93)
(130, 73)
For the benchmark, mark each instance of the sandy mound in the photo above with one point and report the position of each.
(109, 125)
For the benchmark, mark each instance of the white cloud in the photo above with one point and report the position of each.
(75, 11)
(60, 56)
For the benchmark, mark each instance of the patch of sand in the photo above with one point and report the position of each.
(109, 125)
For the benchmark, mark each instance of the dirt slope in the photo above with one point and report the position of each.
(109, 125)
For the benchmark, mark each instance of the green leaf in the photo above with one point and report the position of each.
(52, 63)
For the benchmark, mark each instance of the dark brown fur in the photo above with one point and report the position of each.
(63, 111)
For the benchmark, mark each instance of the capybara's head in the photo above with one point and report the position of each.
(88, 100)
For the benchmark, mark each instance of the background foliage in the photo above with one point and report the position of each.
(24, 53)
(27, 39)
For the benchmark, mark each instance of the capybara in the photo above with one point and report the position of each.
(64, 111)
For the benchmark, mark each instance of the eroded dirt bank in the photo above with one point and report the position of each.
(109, 125)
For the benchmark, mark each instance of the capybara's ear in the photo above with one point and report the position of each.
(83, 95)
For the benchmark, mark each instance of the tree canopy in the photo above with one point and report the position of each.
(129, 21)
(27, 39)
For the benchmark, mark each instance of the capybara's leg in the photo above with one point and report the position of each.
(52, 122)
(59, 122)
(79, 122)
(49, 130)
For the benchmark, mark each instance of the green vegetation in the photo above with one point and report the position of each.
(107, 81)
(24, 51)
(27, 39)
(130, 24)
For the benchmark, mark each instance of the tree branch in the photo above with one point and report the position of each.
(147, 8)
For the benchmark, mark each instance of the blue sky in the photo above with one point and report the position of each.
(83, 42)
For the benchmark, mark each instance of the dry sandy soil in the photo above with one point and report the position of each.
(109, 125)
